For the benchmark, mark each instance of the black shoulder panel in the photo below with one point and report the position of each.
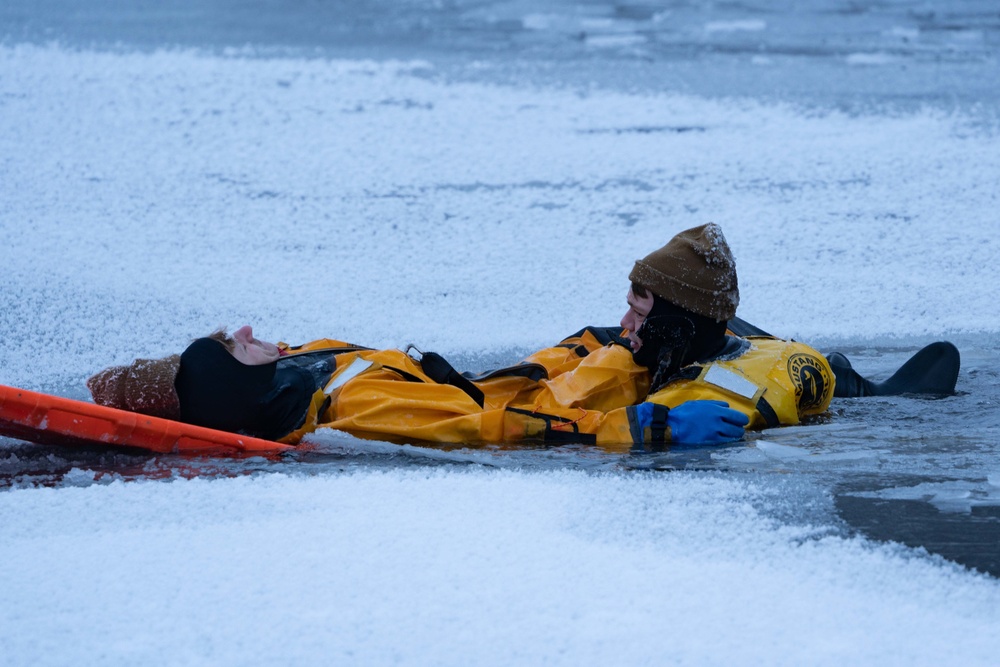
(687, 373)
(320, 364)
(740, 327)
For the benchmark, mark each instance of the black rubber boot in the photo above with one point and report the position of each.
(849, 383)
(933, 370)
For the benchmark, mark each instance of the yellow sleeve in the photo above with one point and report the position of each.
(604, 380)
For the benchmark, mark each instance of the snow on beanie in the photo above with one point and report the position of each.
(695, 271)
(145, 386)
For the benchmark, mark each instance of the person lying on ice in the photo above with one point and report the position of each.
(674, 375)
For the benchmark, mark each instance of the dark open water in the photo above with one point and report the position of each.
(920, 471)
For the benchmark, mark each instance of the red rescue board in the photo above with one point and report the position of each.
(54, 420)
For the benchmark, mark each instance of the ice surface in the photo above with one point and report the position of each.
(870, 59)
(734, 26)
(444, 567)
(148, 198)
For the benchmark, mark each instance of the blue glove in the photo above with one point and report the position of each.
(705, 422)
(699, 422)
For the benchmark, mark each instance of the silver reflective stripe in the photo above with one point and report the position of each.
(356, 368)
(731, 381)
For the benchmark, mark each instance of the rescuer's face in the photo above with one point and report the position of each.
(638, 311)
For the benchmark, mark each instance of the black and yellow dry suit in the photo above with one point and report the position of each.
(583, 390)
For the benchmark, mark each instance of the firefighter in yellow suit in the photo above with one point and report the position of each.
(615, 388)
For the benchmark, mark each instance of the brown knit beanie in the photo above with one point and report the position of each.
(695, 271)
(145, 385)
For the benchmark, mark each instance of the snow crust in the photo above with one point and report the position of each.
(450, 568)
(146, 199)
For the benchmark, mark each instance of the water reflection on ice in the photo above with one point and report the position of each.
(949, 496)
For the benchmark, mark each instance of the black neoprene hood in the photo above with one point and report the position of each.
(702, 335)
(218, 391)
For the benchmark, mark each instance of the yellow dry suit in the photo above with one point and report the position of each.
(583, 390)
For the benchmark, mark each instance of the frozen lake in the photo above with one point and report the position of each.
(837, 53)
(477, 178)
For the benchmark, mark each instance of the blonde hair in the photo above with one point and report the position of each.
(221, 336)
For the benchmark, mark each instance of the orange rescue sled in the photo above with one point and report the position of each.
(54, 420)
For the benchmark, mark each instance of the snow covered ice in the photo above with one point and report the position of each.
(481, 207)
(443, 567)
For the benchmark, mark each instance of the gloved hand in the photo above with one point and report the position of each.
(699, 422)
